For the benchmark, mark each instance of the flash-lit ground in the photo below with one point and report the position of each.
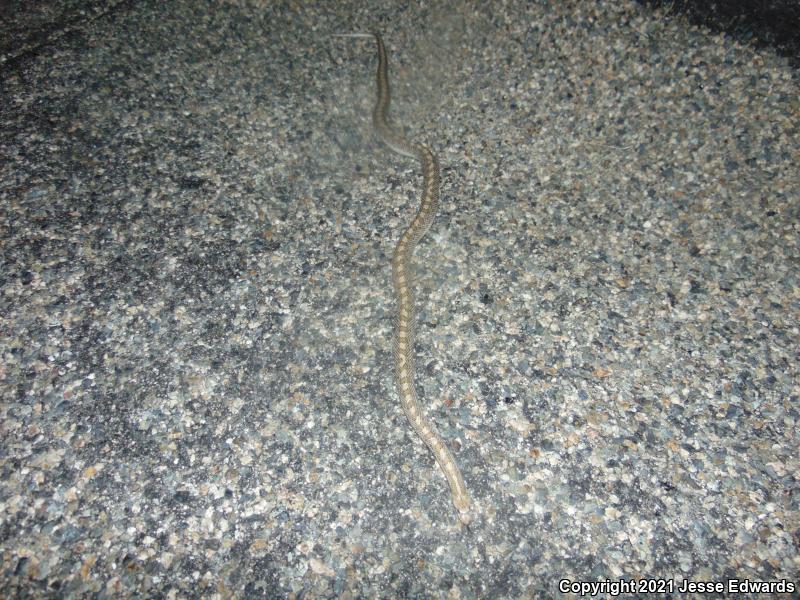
(196, 310)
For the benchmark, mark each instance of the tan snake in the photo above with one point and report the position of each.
(401, 276)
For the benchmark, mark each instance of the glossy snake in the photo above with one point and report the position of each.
(401, 275)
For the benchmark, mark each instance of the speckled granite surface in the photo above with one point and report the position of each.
(196, 309)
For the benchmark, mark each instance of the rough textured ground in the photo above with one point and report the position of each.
(196, 310)
(774, 23)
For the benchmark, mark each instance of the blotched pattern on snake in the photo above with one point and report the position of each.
(401, 274)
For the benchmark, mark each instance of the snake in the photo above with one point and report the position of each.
(401, 278)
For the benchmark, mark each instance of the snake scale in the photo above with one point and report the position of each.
(401, 276)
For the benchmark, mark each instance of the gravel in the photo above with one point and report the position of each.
(196, 309)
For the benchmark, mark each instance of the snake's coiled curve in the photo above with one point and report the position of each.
(401, 276)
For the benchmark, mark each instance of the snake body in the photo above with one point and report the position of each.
(401, 276)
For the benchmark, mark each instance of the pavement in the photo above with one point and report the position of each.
(196, 316)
